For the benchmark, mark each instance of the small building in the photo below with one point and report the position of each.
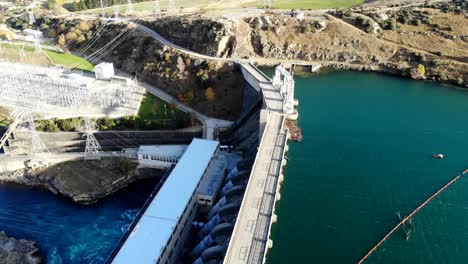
(104, 71)
(160, 156)
(32, 34)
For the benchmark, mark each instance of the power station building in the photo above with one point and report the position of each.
(162, 229)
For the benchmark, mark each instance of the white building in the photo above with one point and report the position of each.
(162, 229)
(104, 71)
(32, 34)
(297, 14)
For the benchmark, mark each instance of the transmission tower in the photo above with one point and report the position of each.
(157, 10)
(37, 146)
(92, 145)
(102, 9)
(32, 20)
(37, 45)
(171, 5)
(22, 55)
(267, 4)
(116, 11)
(129, 6)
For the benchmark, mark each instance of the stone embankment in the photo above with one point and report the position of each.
(14, 251)
(85, 182)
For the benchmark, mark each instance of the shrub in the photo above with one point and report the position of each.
(416, 22)
(391, 24)
(167, 56)
(307, 28)
(47, 126)
(188, 96)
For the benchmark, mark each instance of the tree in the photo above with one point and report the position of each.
(81, 39)
(62, 41)
(51, 4)
(48, 126)
(106, 123)
(391, 24)
(82, 5)
(188, 96)
(421, 70)
(416, 22)
(210, 94)
(68, 124)
(71, 36)
(167, 56)
(76, 6)
(83, 26)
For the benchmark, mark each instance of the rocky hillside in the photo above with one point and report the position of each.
(424, 42)
(212, 87)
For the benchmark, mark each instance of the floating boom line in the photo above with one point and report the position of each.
(410, 216)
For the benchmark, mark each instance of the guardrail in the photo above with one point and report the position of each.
(262, 226)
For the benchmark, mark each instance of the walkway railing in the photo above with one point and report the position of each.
(262, 227)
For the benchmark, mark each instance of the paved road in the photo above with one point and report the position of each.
(167, 43)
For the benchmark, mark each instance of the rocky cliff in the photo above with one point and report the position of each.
(85, 182)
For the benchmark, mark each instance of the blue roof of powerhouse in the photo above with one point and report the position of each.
(149, 237)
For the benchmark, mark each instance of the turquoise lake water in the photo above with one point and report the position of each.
(367, 154)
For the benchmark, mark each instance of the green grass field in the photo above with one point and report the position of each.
(149, 6)
(69, 60)
(64, 59)
(315, 4)
(278, 4)
(152, 108)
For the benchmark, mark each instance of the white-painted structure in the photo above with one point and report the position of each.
(297, 14)
(104, 71)
(34, 34)
(285, 82)
(160, 156)
(160, 232)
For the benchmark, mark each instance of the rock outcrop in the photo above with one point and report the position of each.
(13, 251)
(85, 182)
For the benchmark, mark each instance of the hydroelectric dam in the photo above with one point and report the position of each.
(216, 202)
